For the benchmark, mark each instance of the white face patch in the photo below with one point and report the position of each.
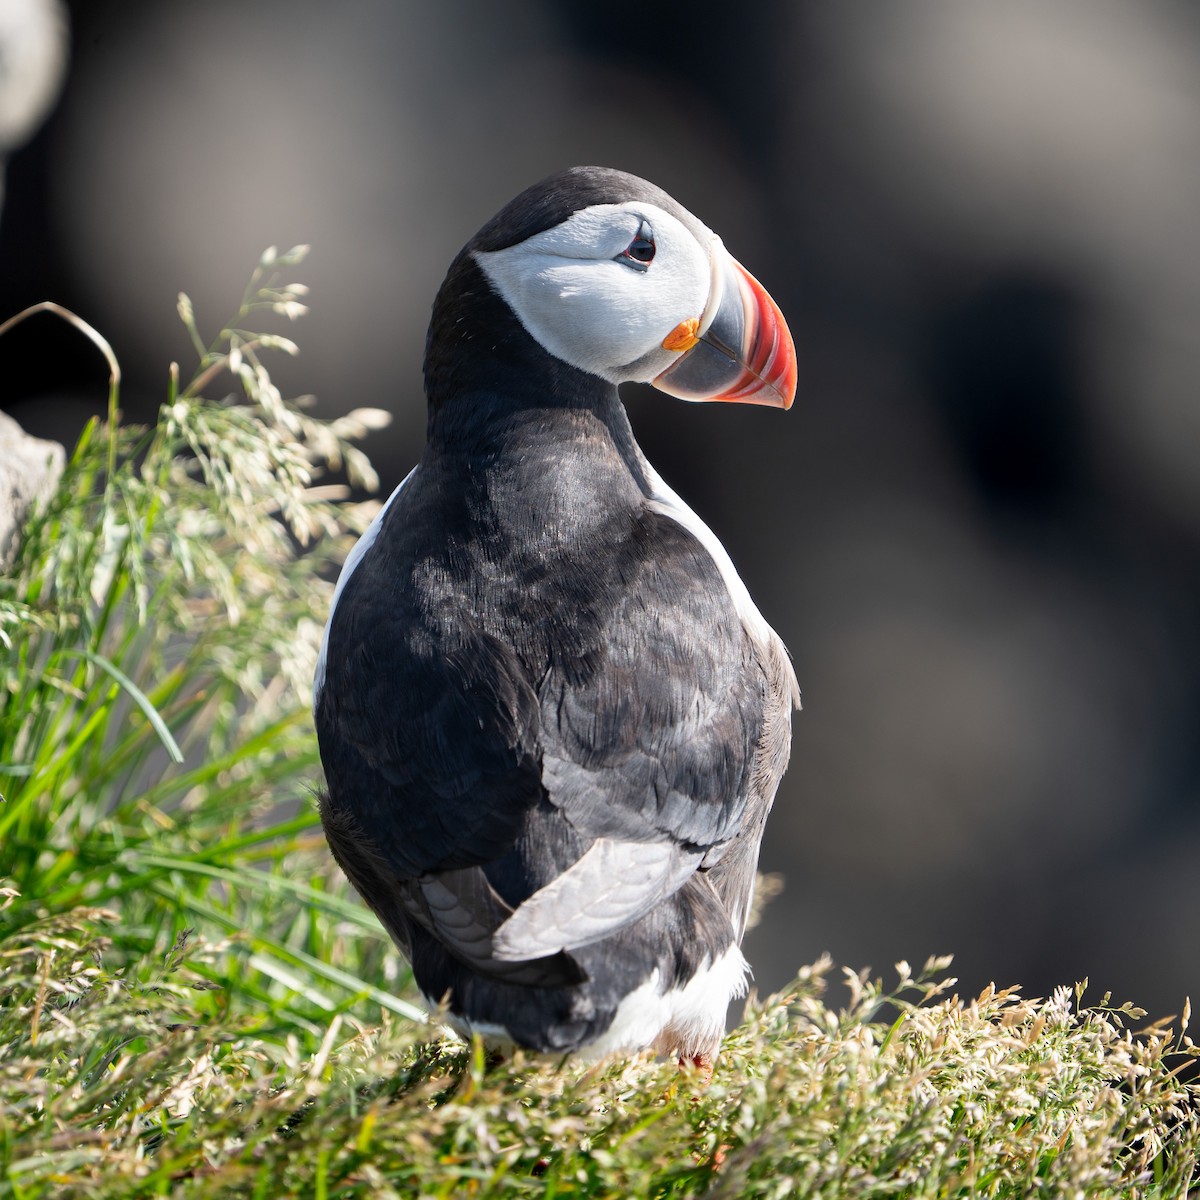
(587, 304)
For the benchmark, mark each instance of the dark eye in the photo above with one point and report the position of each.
(640, 252)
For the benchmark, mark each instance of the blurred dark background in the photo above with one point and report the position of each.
(978, 527)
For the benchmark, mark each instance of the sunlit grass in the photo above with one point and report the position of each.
(146, 1087)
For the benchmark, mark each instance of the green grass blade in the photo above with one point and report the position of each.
(136, 694)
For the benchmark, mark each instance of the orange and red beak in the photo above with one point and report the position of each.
(739, 350)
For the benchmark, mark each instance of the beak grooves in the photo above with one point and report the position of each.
(744, 353)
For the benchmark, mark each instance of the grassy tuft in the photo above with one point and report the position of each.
(192, 1005)
(120, 1088)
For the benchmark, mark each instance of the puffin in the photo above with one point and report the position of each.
(551, 720)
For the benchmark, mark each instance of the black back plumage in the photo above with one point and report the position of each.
(530, 662)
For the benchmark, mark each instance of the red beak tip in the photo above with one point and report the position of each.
(771, 356)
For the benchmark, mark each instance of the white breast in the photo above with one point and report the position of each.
(682, 1020)
(357, 553)
(663, 499)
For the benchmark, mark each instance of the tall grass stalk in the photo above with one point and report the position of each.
(158, 630)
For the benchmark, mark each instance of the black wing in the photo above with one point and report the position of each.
(525, 766)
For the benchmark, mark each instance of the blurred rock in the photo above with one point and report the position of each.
(957, 140)
(29, 470)
(33, 60)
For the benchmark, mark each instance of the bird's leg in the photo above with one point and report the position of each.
(703, 1063)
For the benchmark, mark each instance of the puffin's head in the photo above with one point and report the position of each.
(610, 275)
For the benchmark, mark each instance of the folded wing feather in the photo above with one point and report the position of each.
(610, 886)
